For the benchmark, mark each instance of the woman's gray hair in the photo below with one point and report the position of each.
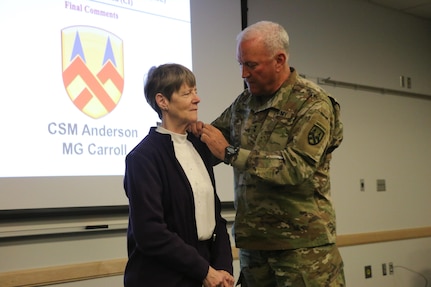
(166, 79)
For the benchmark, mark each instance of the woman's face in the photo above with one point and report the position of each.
(183, 106)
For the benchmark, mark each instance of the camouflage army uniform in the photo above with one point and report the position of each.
(281, 174)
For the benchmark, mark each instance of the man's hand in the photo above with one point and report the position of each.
(214, 140)
(196, 128)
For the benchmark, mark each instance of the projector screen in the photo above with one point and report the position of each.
(72, 102)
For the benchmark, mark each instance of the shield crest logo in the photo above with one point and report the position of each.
(93, 69)
(315, 135)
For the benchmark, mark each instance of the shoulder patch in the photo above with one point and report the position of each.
(315, 135)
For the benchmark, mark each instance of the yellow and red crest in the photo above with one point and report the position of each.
(93, 69)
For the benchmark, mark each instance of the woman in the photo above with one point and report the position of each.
(176, 235)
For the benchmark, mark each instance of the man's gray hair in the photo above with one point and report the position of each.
(273, 35)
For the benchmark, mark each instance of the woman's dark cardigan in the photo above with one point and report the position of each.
(162, 236)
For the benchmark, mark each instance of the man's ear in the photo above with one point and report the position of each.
(281, 59)
(162, 101)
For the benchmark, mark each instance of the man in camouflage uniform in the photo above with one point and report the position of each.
(279, 135)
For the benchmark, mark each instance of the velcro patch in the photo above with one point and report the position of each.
(315, 135)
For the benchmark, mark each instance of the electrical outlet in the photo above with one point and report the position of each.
(368, 271)
(381, 185)
(402, 82)
(384, 269)
(409, 83)
(391, 268)
(362, 184)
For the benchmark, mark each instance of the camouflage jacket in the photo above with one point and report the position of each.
(281, 174)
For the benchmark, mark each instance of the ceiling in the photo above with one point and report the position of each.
(417, 8)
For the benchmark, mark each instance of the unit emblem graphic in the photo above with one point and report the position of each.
(315, 135)
(93, 69)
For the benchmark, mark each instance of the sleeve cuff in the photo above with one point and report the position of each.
(241, 160)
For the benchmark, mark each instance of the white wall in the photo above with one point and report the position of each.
(215, 25)
(352, 41)
(386, 136)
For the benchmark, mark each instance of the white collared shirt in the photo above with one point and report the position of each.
(196, 172)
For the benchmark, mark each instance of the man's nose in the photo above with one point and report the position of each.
(245, 73)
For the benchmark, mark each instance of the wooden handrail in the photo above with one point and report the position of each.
(114, 267)
(383, 236)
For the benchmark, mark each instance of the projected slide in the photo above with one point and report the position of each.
(72, 101)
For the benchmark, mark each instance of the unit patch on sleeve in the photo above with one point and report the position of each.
(315, 135)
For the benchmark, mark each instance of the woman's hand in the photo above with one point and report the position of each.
(218, 278)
